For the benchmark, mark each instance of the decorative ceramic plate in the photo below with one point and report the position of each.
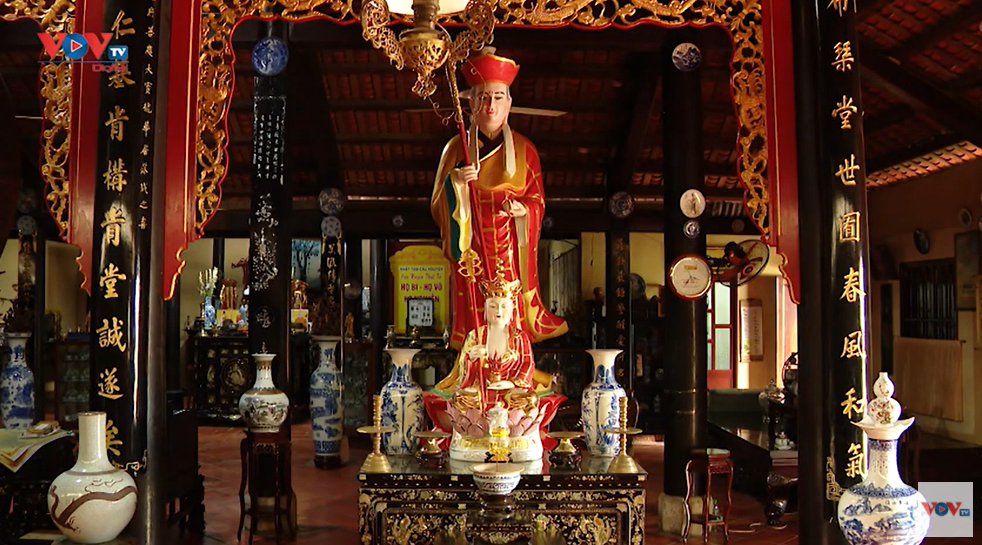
(691, 229)
(330, 226)
(27, 225)
(331, 201)
(965, 217)
(27, 201)
(921, 242)
(638, 286)
(686, 57)
(269, 56)
(621, 204)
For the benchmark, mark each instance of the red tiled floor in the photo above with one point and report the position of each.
(327, 500)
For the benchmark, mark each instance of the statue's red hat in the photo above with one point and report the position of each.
(487, 67)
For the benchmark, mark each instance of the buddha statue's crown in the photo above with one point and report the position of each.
(499, 287)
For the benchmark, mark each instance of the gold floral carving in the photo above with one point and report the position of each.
(742, 18)
(55, 82)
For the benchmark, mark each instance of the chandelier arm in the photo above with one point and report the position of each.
(374, 24)
(479, 18)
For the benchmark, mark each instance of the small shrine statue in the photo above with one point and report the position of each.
(228, 294)
(495, 366)
(491, 211)
(298, 300)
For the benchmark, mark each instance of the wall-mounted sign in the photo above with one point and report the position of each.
(421, 271)
(751, 330)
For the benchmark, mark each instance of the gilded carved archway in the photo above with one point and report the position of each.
(55, 89)
(742, 18)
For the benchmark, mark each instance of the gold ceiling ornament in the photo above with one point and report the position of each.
(741, 18)
(55, 84)
(426, 48)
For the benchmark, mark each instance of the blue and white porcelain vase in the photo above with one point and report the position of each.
(208, 314)
(17, 385)
(883, 509)
(326, 404)
(601, 405)
(402, 404)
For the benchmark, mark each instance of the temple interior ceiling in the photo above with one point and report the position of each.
(354, 121)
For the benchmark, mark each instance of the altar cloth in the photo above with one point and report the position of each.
(15, 451)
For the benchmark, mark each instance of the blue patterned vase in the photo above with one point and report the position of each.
(601, 405)
(208, 314)
(326, 407)
(883, 509)
(402, 404)
(17, 385)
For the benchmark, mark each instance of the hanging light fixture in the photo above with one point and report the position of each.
(426, 47)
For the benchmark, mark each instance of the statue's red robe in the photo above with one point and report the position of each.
(513, 241)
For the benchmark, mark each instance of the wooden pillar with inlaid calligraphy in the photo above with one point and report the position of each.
(619, 313)
(845, 177)
(834, 311)
(122, 300)
(270, 243)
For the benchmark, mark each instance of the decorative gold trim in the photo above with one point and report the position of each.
(742, 18)
(55, 83)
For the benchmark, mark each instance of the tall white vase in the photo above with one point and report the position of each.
(882, 508)
(601, 406)
(93, 501)
(402, 404)
(326, 404)
(264, 407)
(17, 385)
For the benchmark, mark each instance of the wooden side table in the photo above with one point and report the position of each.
(709, 461)
(275, 446)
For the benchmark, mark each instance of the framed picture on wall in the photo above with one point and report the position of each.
(968, 263)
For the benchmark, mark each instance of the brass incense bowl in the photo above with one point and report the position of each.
(431, 455)
(565, 455)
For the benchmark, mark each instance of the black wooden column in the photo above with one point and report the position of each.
(379, 304)
(123, 371)
(270, 229)
(353, 274)
(832, 209)
(685, 321)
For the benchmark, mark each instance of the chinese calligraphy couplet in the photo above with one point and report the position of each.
(121, 240)
(842, 109)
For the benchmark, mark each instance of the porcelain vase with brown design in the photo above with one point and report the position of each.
(93, 501)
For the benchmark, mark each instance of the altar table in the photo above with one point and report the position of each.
(413, 505)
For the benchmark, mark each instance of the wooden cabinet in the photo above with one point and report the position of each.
(221, 370)
(71, 380)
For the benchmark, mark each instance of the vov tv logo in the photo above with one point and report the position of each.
(85, 48)
(950, 507)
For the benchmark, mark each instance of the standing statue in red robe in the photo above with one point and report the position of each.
(493, 207)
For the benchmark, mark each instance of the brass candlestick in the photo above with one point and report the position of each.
(431, 455)
(565, 455)
(622, 463)
(376, 462)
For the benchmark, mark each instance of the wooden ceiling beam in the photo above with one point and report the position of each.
(364, 220)
(969, 81)
(942, 28)
(892, 116)
(421, 106)
(427, 165)
(919, 149)
(321, 135)
(645, 105)
(911, 88)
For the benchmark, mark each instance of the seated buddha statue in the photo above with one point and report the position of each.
(494, 368)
